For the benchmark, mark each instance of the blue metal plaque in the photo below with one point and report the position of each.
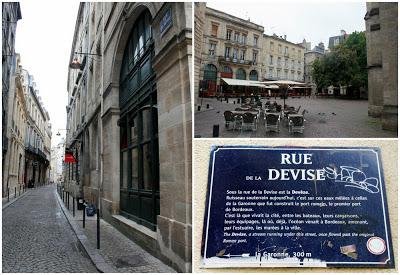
(166, 21)
(289, 206)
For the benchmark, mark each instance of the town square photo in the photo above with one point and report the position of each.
(296, 69)
(96, 137)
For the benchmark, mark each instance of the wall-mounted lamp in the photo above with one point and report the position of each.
(75, 64)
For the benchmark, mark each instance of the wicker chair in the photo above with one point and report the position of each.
(229, 119)
(272, 122)
(249, 121)
(296, 124)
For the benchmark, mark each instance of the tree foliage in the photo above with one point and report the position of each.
(344, 65)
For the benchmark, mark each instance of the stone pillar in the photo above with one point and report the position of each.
(374, 63)
(389, 28)
(172, 66)
(110, 192)
(381, 35)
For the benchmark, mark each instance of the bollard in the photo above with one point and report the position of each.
(216, 130)
(198, 108)
(19, 191)
(15, 192)
(68, 200)
(98, 228)
(208, 106)
(73, 206)
(8, 194)
(84, 215)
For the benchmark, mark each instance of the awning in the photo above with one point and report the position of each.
(283, 82)
(240, 82)
(273, 86)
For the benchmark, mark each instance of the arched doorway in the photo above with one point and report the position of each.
(210, 78)
(253, 75)
(240, 74)
(139, 178)
(227, 72)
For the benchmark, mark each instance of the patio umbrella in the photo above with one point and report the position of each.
(285, 84)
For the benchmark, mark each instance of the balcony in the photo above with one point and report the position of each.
(231, 60)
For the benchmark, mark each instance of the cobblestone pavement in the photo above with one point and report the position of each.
(38, 238)
(117, 250)
(325, 117)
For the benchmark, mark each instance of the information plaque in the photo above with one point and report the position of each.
(289, 206)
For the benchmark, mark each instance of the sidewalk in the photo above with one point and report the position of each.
(119, 252)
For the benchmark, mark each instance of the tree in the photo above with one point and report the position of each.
(344, 65)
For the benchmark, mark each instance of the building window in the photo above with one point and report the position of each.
(139, 160)
(279, 62)
(278, 74)
(286, 51)
(271, 46)
(244, 39)
(254, 57)
(235, 53)
(286, 75)
(242, 54)
(227, 52)
(236, 37)
(228, 34)
(286, 62)
(212, 49)
(299, 54)
(292, 64)
(280, 48)
(240, 74)
(214, 30)
(271, 60)
(253, 75)
(210, 72)
(270, 75)
(227, 72)
(255, 40)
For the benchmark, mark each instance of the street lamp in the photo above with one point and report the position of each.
(75, 64)
(58, 131)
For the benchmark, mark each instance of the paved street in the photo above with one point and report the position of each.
(122, 254)
(38, 238)
(325, 117)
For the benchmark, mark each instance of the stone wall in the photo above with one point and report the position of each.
(382, 52)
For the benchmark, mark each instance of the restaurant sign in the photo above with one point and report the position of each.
(289, 206)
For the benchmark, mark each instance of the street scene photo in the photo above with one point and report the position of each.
(289, 70)
(96, 137)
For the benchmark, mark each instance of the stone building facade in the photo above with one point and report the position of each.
(232, 48)
(199, 21)
(11, 13)
(13, 166)
(282, 59)
(37, 135)
(129, 121)
(309, 57)
(382, 53)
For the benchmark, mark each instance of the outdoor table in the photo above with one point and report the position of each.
(242, 112)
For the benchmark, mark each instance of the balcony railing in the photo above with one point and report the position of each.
(232, 60)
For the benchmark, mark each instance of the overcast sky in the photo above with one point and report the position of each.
(44, 39)
(314, 21)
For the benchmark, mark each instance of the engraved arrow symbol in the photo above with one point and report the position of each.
(244, 255)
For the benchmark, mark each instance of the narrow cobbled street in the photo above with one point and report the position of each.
(38, 238)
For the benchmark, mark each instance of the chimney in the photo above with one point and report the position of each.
(284, 36)
(342, 32)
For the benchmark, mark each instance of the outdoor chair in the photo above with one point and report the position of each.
(249, 121)
(238, 122)
(296, 124)
(272, 122)
(229, 119)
